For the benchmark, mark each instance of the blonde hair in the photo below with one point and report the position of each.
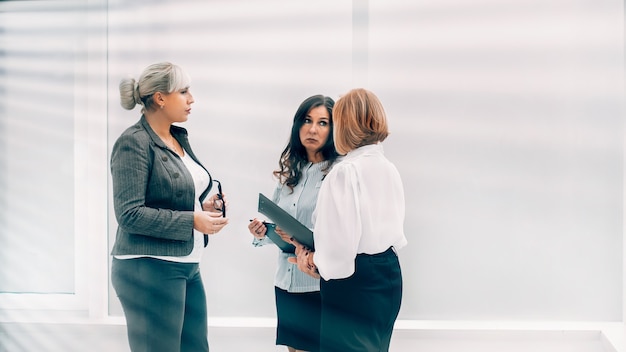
(161, 77)
(359, 119)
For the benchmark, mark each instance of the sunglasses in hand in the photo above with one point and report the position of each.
(219, 203)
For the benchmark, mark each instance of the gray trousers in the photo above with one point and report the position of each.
(164, 304)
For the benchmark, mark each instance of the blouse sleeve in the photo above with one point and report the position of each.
(338, 223)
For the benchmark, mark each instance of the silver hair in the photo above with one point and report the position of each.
(161, 77)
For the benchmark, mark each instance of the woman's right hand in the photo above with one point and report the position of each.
(209, 222)
(257, 228)
(304, 260)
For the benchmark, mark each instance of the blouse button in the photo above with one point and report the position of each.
(176, 175)
(164, 158)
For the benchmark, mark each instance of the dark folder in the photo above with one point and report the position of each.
(285, 221)
(271, 233)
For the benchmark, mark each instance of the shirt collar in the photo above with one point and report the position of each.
(369, 149)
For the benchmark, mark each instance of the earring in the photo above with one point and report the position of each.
(161, 106)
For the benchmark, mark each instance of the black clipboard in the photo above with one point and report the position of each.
(271, 233)
(286, 222)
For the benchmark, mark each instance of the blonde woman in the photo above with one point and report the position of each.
(160, 198)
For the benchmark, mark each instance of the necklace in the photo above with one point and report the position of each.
(172, 145)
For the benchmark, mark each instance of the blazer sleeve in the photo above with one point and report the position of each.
(132, 162)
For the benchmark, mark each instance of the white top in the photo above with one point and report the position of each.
(360, 209)
(201, 182)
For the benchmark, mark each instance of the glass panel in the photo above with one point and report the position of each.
(37, 98)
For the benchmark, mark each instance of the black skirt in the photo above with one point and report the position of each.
(298, 319)
(359, 312)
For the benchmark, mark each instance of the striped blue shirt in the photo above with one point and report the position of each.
(300, 204)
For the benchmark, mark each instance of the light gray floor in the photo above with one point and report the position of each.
(112, 338)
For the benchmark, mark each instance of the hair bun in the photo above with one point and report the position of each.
(129, 93)
(136, 94)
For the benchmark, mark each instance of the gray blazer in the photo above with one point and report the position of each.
(153, 193)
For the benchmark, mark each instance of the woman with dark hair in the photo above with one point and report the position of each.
(308, 157)
(359, 226)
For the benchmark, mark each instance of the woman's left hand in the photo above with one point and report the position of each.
(209, 204)
(304, 260)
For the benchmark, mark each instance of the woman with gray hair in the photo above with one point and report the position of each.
(160, 191)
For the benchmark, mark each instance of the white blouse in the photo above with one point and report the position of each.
(360, 209)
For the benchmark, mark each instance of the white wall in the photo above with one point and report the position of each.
(508, 128)
(506, 122)
(506, 119)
